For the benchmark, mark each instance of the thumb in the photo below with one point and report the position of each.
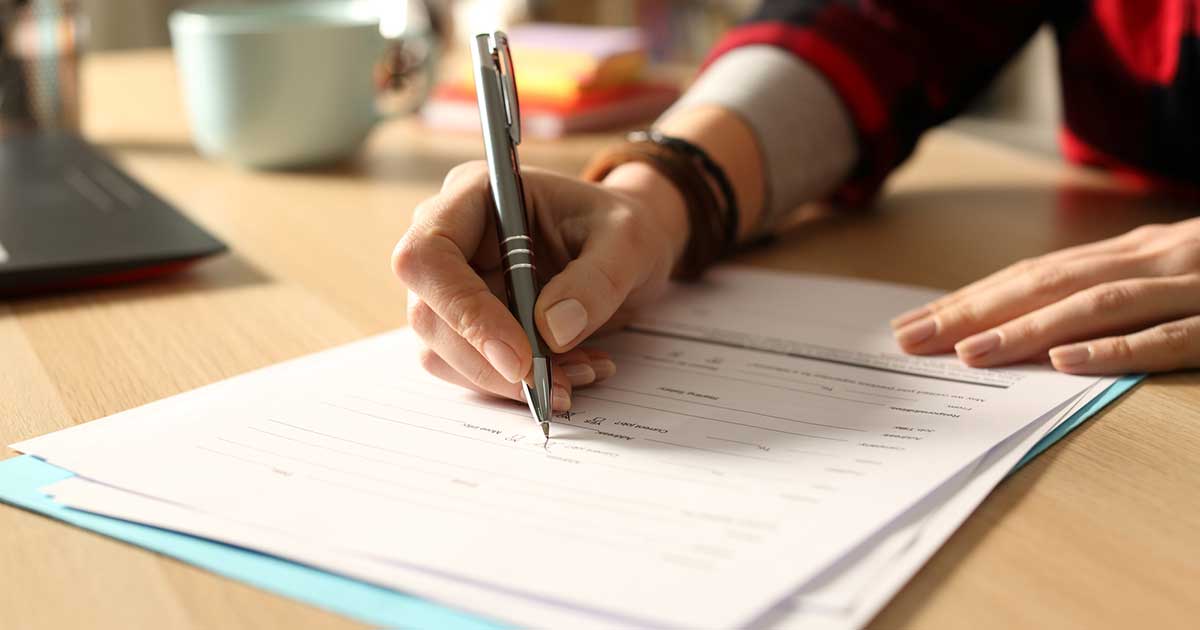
(586, 293)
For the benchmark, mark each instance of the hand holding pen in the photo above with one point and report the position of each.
(600, 251)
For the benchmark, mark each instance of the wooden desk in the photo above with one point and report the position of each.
(1101, 531)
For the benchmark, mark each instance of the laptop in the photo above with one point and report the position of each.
(70, 218)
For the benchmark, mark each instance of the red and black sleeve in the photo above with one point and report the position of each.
(900, 66)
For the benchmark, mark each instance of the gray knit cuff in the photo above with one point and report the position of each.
(805, 133)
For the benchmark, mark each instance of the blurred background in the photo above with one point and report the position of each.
(1021, 108)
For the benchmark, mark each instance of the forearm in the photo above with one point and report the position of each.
(734, 146)
(774, 126)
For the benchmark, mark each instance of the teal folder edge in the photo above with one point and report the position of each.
(22, 477)
(1114, 391)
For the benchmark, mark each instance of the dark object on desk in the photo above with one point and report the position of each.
(70, 218)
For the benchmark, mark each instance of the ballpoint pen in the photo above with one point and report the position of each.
(500, 117)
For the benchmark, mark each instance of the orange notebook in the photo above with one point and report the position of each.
(564, 61)
(454, 108)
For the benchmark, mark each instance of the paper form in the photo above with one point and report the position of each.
(860, 584)
(668, 494)
(93, 497)
(846, 598)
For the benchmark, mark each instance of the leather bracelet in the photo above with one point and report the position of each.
(714, 171)
(712, 228)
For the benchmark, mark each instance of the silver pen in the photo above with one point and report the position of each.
(500, 116)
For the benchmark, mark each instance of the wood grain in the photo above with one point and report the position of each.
(1102, 531)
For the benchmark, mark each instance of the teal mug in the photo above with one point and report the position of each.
(298, 84)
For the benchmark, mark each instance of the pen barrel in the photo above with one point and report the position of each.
(522, 284)
(507, 196)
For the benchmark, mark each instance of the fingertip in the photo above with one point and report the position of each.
(582, 297)
(604, 368)
(1072, 354)
(474, 168)
(579, 374)
(914, 335)
(980, 350)
(560, 399)
(562, 323)
(1072, 358)
(576, 366)
(974, 362)
(585, 366)
(402, 255)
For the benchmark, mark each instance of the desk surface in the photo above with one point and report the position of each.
(1101, 531)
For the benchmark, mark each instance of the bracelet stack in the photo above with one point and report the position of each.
(709, 197)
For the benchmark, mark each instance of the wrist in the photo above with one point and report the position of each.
(657, 195)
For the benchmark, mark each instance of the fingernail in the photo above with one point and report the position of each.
(579, 373)
(916, 332)
(560, 400)
(566, 320)
(978, 345)
(603, 368)
(503, 359)
(1066, 356)
(908, 317)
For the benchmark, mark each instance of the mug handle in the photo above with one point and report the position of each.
(404, 74)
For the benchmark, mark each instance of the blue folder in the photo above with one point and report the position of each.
(22, 477)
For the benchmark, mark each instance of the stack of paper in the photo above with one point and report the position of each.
(764, 457)
(569, 77)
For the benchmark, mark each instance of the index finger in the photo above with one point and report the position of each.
(432, 260)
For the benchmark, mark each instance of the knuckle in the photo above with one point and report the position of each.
(1138, 261)
(1025, 265)
(1109, 297)
(1176, 337)
(422, 319)
(612, 286)
(430, 361)
(481, 373)
(1182, 256)
(467, 313)
(475, 170)
(627, 227)
(1149, 230)
(405, 256)
(964, 314)
(1049, 281)
(1120, 350)
(1025, 328)
(425, 208)
(943, 302)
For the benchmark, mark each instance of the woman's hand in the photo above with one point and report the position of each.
(600, 250)
(1126, 304)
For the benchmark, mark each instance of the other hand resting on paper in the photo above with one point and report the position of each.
(1126, 304)
(600, 249)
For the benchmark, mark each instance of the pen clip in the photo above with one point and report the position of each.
(508, 85)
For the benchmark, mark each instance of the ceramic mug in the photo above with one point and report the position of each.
(293, 84)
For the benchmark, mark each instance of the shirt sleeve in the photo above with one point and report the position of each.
(898, 66)
(804, 133)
